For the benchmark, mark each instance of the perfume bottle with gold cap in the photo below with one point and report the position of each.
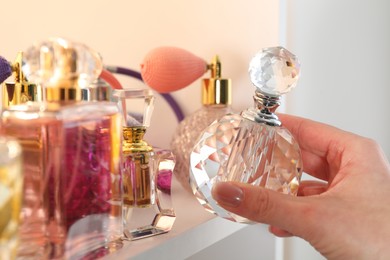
(20, 90)
(147, 171)
(216, 102)
(71, 150)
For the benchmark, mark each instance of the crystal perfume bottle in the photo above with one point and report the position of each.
(72, 173)
(146, 171)
(216, 102)
(252, 147)
(11, 183)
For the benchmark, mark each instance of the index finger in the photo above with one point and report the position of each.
(322, 145)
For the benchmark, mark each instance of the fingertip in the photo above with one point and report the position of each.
(227, 194)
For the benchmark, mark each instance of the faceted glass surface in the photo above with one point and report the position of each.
(187, 133)
(274, 71)
(57, 60)
(136, 106)
(237, 149)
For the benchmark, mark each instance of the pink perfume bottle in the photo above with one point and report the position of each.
(147, 171)
(72, 170)
(216, 102)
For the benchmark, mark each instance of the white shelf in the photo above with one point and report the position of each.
(194, 230)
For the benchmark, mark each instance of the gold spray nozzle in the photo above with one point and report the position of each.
(20, 90)
(216, 90)
(215, 67)
(16, 68)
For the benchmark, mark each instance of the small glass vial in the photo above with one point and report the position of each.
(72, 173)
(252, 147)
(146, 173)
(216, 102)
(11, 184)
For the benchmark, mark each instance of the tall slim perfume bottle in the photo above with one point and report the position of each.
(71, 150)
(11, 183)
(252, 147)
(216, 102)
(146, 171)
(20, 90)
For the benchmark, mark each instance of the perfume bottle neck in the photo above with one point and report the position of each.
(63, 95)
(18, 93)
(133, 140)
(266, 107)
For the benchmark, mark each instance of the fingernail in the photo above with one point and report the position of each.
(228, 194)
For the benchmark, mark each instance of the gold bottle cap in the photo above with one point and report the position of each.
(216, 90)
(63, 87)
(20, 91)
(63, 68)
(133, 140)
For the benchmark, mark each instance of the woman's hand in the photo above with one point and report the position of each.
(345, 217)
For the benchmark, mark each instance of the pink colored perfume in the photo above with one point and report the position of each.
(72, 168)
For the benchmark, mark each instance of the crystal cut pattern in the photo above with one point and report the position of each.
(187, 133)
(274, 71)
(236, 149)
(252, 147)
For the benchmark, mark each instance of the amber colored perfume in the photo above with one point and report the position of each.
(72, 200)
(216, 102)
(252, 147)
(20, 90)
(11, 183)
(146, 171)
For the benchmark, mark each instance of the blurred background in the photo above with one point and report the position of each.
(125, 31)
(343, 47)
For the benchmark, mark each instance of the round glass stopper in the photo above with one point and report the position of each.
(274, 71)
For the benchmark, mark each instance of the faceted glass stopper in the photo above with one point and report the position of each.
(274, 71)
(135, 105)
(58, 62)
(238, 149)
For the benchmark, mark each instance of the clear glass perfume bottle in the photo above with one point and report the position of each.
(71, 150)
(146, 171)
(11, 183)
(216, 102)
(252, 147)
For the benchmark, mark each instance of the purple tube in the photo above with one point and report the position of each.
(5, 69)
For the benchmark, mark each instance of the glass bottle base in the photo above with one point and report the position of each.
(238, 149)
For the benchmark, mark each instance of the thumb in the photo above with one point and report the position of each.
(292, 214)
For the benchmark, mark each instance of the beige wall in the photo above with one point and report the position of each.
(124, 31)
